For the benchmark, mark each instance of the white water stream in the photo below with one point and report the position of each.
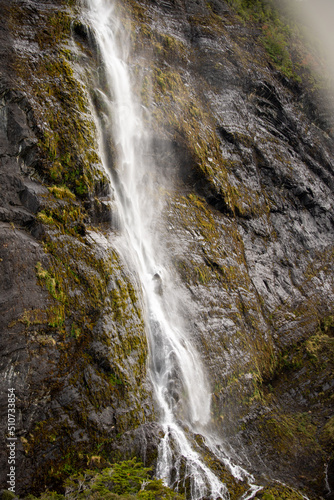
(179, 381)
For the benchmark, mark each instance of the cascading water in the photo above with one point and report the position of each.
(180, 385)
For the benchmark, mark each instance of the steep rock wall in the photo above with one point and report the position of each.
(248, 223)
(250, 226)
(73, 345)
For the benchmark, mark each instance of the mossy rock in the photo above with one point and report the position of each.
(279, 492)
(7, 495)
(327, 435)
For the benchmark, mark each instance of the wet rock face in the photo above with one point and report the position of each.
(67, 303)
(249, 228)
(247, 225)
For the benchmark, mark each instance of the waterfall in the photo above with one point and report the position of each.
(179, 381)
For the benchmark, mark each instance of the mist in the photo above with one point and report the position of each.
(318, 18)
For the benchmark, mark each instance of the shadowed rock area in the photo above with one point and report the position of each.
(247, 174)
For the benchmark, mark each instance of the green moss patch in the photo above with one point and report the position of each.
(61, 118)
(278, 491)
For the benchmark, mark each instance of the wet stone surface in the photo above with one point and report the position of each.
(247, 231)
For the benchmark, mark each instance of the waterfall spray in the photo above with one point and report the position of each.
(179, 381)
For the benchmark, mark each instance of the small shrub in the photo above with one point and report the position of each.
(124, 480)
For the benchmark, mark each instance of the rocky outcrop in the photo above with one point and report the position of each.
(247, 229)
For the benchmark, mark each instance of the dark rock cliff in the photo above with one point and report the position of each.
(72, 337)
(253, 226)
(248, 222)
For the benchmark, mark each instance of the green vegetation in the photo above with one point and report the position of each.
(129, 478)
(81, 282)
(126, 480)
(291, 432)
(68, 217)
(300, 429)
(276, 33)
(66, 139)
(51, 282)
(284, 38)
(90, 297)
(61, 192)
(84, 284)
(327, 436)
(187, 121)
(278, 491)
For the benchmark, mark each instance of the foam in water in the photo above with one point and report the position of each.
(179, 381)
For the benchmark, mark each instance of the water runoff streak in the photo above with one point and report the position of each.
(179, 381)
